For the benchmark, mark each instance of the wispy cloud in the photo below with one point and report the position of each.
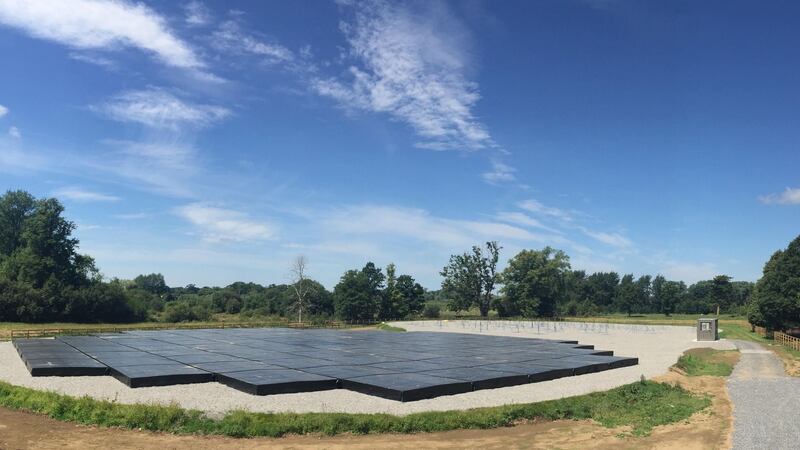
(132, 216)
(790, 196)
(612, 239)
(499, 173)
(412, 66)
(3, 111)
(83, 195)
(197, 14)
(14, 132)
(524, 220)
(157, 108)
(100, 24)
(219, 224)
(96, 60)
(420, 225)
(230, 37)
(537, 207)
(163, 167)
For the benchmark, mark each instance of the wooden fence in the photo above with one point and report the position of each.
(787, 341)
(761, 331)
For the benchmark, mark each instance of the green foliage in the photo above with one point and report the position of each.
(534, 283)
(387, 327)
(42, 276)
(776, 297)
(358, 294)
(431, 311)
(402, 296)
(469, 278)
(641, 405)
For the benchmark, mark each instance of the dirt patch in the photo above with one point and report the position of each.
(704, 430)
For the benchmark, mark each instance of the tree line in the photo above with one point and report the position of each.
(43, 278)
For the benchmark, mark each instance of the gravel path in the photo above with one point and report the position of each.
(765, 401)
(656, 347)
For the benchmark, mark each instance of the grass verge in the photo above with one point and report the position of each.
(705, 361)
(387, 327)
(642, 406)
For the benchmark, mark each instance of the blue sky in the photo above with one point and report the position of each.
(216, 141)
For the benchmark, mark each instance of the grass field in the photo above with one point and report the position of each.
(642, 406)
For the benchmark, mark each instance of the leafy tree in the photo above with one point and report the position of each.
(401, 297)
(153, 283)
(470, 278)
(657, 289)
(535, 281)
(670, 294)
(776, 297)
(602, 287)
(627, 295)
(643, 293)
(722, 293)
(358, 294)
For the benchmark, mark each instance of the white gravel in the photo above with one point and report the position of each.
(657, 348)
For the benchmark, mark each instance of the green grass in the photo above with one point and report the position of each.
(387, 327)
(642, 406)
(705, 361)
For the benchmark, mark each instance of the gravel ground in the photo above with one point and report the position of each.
(657, 348)
(765, 401)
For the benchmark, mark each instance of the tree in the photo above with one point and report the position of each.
(671, 294)
(776, 297)
(301, 288)
(535, 281)
(357, 295)
(657, 289)
(643, 293)
(470, 278)
(722, 294)
(603, 288)
(401, 297)
(626, 294)
(153, 283)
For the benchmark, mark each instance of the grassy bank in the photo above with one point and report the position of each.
(706, 361)
(641, 405)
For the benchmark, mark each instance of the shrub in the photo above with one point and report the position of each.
(431, 311)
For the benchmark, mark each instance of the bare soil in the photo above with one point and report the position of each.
(705, 430)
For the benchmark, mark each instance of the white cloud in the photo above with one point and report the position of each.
(3, 110)
(420, 225)
(537, 207)
(93, 59)
(790, 196)
(230, 38)
(219, 224)
(524, 220)
(157, 108)
(612, 239)
(500, 173)
(411, 66)
(14, 132)
(132, 216)
(100, 24)
(83, 195)
(197, 14)
(689, 272)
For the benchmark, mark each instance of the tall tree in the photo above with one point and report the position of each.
(357, 296)
(301, 288)
(776, 297)
(626, 295)
(657, 289)
(671, 294)
(722, 294)
(469, 278)
(535, 281)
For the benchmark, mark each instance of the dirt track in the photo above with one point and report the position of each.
(21, 430)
